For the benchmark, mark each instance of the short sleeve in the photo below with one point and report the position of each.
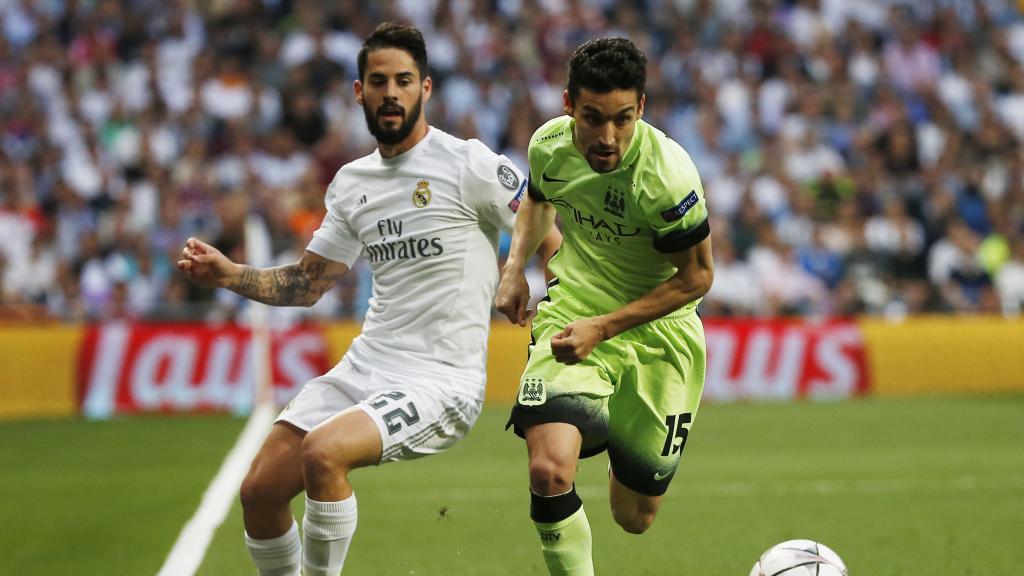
(493, 186)
(673, 201)
(534, 155)
(335, 239)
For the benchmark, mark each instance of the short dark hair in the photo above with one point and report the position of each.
(391, 35)
(607, 64)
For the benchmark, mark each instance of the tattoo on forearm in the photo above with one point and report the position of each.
(299, 284)
(248, 282)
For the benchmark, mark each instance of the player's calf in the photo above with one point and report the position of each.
(273, 479)
(265, 506)
(633, 511)
(564, 532)
(633, 520)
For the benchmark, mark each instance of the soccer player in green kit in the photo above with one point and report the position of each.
(617, 359)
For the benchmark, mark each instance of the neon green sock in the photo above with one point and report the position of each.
(566, 545)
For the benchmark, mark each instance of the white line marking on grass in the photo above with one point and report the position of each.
(188, 552)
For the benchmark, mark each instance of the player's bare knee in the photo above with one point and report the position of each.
(249, 493)
(549, 477)
(256, 492)
(320, 458)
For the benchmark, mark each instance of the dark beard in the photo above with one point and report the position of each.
(388, 136)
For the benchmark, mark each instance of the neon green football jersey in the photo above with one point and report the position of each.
(617, 226)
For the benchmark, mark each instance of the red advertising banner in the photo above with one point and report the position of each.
(126, 368)
(783, 360)
(130, 368)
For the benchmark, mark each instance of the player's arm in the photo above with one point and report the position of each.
(692, 280)
(534, 225)
(548, 246)
(299, 284)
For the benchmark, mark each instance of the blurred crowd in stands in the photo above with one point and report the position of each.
(859, 157)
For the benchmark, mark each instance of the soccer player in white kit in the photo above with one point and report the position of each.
(425, 211)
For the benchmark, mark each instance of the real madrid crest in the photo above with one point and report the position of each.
(421, 197)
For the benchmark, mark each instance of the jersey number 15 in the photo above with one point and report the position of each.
(676, 430)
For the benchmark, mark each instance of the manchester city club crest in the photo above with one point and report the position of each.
(531, 391)
(421, 197)
(614, 202)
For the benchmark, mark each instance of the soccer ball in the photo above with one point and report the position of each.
(799, 558)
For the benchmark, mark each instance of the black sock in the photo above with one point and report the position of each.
(549, 509)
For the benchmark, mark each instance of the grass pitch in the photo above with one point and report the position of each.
(897, 487)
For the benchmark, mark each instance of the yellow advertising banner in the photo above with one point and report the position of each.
(945, 354)
(38, 367)
(339, 336)
(506, 358)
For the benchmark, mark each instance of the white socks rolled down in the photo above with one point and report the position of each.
(327, 530)
(281, 556)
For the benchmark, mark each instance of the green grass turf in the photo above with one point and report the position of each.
(84, 498)
(897, 487)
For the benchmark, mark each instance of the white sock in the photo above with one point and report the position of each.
(327, 530)
(281, 556)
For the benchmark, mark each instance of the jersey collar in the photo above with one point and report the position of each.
(405, 156)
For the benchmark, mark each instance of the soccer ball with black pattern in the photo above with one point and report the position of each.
(799, 558)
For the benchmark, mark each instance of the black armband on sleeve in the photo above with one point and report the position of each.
(683, 239)
(535, 194)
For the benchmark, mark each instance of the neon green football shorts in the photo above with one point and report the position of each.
(635, 395)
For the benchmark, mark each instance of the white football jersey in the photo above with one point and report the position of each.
(427, 221)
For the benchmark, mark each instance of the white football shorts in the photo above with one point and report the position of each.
(417, 412)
